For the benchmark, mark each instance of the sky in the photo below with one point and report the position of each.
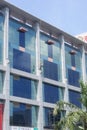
(67, 15)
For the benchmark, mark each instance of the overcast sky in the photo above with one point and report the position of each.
(68, 15)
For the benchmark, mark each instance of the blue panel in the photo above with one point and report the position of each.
(50, 119)
(50, 51)
(73, 77)
(22, 87)
(50, 70)
(76, 78)
(46, 69)
(70, 77)
(22, 39)
(21, 60)
(53, 95)
(73, 60)
(74, 98)
(21, 116)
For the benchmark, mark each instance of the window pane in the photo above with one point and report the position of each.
(23, 87)
(73, 78)
(51, 93)
(50, 70)
(78, 60)
(74, 97)
(23, 115)
(49, 118)
(21, 60)
(43, 45)
(57, 52)
(1, 81)
(30, 40)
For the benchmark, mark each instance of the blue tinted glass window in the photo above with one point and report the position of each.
(1, 81)
(23, 87)
(21, 60)
(30, 38)
(50, 51)
(43, 45)
(73, 60)
(14, 34)
(74, 97)
(52, 93)
(49, 118)
(22, 39)
(23, 115)
(73, 77)
(57, 52)
(50, 70)
(78, 62)
(67, 55)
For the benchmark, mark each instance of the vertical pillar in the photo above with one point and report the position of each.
(63, 58)
(7, 73)
(63, 67)
(37, 28)
(83, 64)
(40, 99)
(6, 28)
(38, 72)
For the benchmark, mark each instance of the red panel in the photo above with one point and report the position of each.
(1, 115)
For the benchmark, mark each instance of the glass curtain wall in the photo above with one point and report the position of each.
(73, 65)
(50, 57)
(22, 46)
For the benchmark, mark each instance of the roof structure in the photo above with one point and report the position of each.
(45, 27)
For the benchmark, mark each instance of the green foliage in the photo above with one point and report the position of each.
(75, 118)
(83, 93)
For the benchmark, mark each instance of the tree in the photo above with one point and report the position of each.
(75, 117)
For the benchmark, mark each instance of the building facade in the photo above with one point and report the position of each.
(39, 65)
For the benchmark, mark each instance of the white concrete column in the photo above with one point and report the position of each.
(63, 67)
(6, 30)
(83, 64)
(61, 38)
(37, 28)
(40, 99)
(66, 93)
(6, 88)
(38, 72)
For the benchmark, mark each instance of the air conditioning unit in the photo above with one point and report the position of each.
(50, 42)
(22, 29)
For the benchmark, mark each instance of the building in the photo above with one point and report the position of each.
(39, 65)
(82, 36)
